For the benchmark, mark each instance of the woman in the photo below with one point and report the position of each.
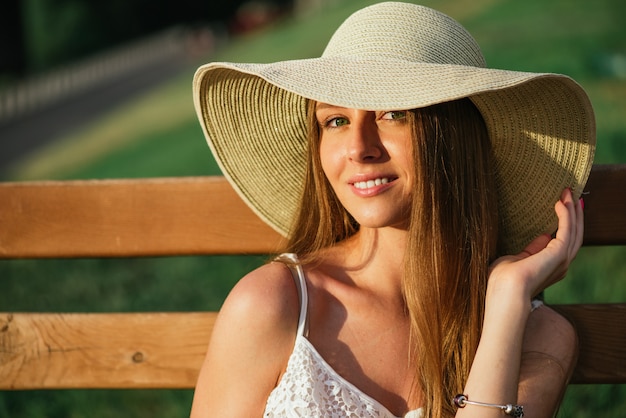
(419, 192)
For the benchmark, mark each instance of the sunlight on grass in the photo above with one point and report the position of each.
(162, 110)
(157, 135)
(512, 35)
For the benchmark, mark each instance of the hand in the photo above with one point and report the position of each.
(545, 260)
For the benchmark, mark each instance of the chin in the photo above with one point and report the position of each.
(383, 223)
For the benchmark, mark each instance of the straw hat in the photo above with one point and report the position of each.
(394, 56)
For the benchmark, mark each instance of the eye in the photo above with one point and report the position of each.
(336, 122)
(394, 115)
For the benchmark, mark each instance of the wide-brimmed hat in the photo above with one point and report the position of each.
(396, 56)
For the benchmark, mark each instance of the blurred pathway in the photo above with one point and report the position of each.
(22, 134)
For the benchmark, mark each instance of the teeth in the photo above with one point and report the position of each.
(371, 183)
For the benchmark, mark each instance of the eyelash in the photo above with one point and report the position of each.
(401, 112)
(331, 122)
(328, 122)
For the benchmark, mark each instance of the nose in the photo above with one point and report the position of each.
(365, 143)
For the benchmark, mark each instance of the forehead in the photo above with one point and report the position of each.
(324, 106)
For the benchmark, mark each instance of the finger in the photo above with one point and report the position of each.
(535, 245)
(558, 251)
(576, 223)
(580, 223)
(566, 212)
(546, 264)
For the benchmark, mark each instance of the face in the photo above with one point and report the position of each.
(366, 156)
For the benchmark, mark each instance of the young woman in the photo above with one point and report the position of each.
(426, 200)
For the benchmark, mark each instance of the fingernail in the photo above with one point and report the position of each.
(582, 203)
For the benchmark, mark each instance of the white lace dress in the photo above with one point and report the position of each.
(310, 387)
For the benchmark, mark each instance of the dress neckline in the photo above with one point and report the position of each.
(293, 263)
(414, 413)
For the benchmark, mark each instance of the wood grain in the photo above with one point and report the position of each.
(165, 350)
(185, 216)
(605, 205)
(129, 218)
(602, 342)
(194, 215)
(112, 350)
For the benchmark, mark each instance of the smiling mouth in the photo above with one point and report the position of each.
(371, 183)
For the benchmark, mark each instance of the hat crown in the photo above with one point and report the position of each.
(398, 56)
(406, 32)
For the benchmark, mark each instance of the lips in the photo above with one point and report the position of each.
(371, 183)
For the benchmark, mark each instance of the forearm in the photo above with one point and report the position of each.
(510, 332)
(494, 376)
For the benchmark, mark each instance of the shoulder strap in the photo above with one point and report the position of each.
(292, 262)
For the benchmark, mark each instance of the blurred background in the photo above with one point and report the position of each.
(103, 90)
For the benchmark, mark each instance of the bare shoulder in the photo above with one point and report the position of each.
(549, 355)
(267, 297)
(548, 333)
(250, 345)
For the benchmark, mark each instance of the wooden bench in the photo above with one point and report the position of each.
(185, 216)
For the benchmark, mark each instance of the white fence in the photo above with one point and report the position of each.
(44, 90)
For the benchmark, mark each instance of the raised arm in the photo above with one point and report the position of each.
(250, 345)
(526, 358)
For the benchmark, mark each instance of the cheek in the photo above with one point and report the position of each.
(402, 153)
(407, 164)
(329, 159)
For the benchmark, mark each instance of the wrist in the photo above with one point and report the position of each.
(507, 306)
(507, 291)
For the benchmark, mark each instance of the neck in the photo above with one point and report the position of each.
(385, 244)
(375, 258)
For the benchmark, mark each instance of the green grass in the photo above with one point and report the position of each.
(157, 135)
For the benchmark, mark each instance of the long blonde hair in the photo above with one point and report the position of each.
(321, 220)
(452, 240)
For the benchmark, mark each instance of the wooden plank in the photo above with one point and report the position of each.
(145, 350)
(165, 350)
(602, 342)
(125, 218)
(605, 205)
(199, 216)
(193, 215)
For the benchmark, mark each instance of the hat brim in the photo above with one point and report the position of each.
(541, 126)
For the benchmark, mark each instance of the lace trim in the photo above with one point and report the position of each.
(310, 387)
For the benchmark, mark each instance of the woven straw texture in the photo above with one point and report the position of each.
(398, 56)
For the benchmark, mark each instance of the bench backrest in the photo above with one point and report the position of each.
(185, 216)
